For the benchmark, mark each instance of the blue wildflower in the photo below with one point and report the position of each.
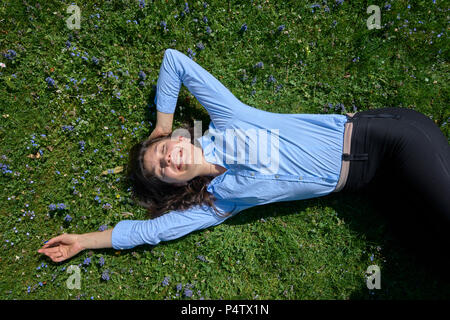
(52, 207)
(61, 206)
(188, 293)
(243, 28)
(107, 206)
(163, 24)
(95, 60)
(68, 218)
(281, 28)
(259, 65)
(87, 261)
(101, 261)
(179, 287)
(186, 7)
(271, 79)
(200, 46)
(105, 275)
(142, 75)
(202, 258)
(339, 1)
(10, 55)
(205, 19)
(141, 4)
(50, 81)
(103, 227)
(165, 282)
(67, 128)
(190, 53)
(208, 30)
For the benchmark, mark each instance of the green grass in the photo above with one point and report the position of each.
(314, 249)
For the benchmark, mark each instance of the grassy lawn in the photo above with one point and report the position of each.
(73, 101)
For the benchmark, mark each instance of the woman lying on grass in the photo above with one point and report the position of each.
(190, 184)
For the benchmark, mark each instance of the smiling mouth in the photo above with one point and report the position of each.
(181, 159)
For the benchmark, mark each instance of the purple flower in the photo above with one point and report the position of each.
(164, 25)
(101, 261)
(94, 60)
(68, 128)
(271, 79)
(205, 5)
(165, 282)
(141, 4)
(50, 81)
(243, 28)
(205, 19)
(87, 261)
(107, 206)
(281, 28)
(142, 75)
(10, 55)
(186, 7)
(202, 258)
(61, 206)
(190, 53)
(339, 1)
(200, 46)
(103, 227)
(188, 293)
(179, 287)
(52, 207)
(259, 65)
(105, 275)
(208, 30)
(68, 218)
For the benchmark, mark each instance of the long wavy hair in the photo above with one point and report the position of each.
(160, 197)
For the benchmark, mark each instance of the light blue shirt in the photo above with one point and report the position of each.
(269, 157)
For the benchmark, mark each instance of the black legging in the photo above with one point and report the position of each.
(401, 156)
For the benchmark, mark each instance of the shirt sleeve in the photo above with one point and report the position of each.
(177, 69)
(175, 224)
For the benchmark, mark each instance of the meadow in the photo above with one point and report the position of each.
(74, 101)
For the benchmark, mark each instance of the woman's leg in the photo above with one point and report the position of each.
(407, 173)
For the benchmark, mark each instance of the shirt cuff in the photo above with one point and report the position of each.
(119, 237)
(165, 103)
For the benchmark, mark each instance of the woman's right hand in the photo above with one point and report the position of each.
(163, 125)
(158, 131)
(62, 247)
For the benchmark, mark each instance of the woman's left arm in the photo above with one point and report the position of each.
(66, 246)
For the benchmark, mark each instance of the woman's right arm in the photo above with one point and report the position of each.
(163, 125)
(177, 69)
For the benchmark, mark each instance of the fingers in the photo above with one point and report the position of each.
(56, 253)
(54, 241)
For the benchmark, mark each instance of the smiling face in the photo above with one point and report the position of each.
(174, 160)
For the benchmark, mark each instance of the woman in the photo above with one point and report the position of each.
(250, 157)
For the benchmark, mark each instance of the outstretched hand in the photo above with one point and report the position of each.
(62, 247)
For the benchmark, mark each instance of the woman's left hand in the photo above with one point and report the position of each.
(62, 247)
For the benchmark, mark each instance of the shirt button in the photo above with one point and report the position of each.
(252, 173)
(277, 176)
(300, 178)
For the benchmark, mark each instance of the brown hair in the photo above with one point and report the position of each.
(160, 197)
